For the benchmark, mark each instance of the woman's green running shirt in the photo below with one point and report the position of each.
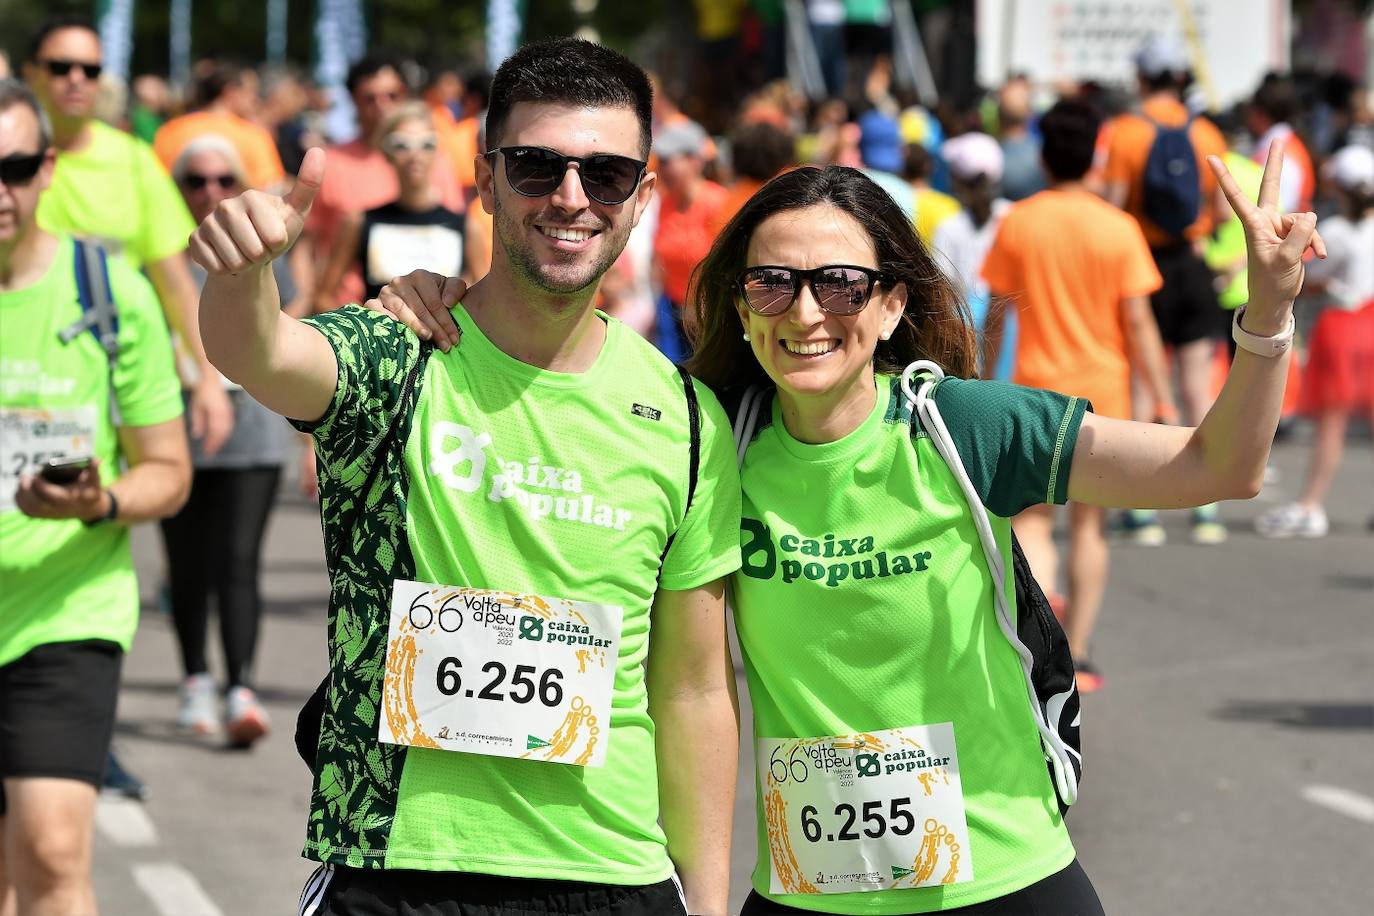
(864, 603)
(485, 437)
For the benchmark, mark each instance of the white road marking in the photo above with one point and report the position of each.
(1342, 801)
(174, 890)
(123, 822)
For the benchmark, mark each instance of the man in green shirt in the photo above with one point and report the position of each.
(68, 598)
(523, 502)
(109, 187)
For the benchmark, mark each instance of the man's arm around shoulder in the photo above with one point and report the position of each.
(692, 700)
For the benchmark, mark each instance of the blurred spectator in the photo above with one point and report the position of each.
(358, 177)
(826, 18)
(1022, 175)
(975, 164)
(1338, 380)
(468, 131)
(226, 98)
(109, 186)
(1079, 273)
(5, 72)
(148, 112)
(214, 544)
(758, 152)
(412, 232)
(880, 149)
(282, 114)
(1153, 178)
(1269, 116)
(932, 207)
(689, 206)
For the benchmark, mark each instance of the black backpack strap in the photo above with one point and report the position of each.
(694, 453)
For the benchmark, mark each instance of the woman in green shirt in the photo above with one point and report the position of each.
(901, 767)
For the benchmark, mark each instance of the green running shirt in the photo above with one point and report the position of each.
(864, 603)
(457, 509)
(62, 581)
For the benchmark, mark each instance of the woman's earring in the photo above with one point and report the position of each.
(885, 335)
(746, 335)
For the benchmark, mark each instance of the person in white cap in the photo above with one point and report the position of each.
(975, 165)
(1156, 171)
(1338, 379)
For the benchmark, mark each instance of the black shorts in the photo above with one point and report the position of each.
(336, 890)
(1186, 306)
(57, 711)
(1065, 893)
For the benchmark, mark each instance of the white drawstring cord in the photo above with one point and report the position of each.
(924, 406)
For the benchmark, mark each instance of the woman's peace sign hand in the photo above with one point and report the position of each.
(1275, 244)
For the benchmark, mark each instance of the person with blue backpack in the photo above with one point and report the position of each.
(86, 379)
(1156, 171)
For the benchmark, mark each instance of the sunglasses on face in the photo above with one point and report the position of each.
(840, 289)
(397, 144)
(19, 170)
(64, 68)
(533, 171)
(199, 182)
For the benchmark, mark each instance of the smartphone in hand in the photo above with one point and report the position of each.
(63, 471)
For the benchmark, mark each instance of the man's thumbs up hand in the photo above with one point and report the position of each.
(253, 228)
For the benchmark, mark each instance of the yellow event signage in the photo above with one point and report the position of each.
(499, 673)
(869, 812)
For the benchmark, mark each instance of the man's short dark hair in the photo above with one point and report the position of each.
(1277, 97)
(570, 71)
(57, 23)
(370, 66)
(1068, 134)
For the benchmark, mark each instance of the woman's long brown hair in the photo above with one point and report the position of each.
(935, 325)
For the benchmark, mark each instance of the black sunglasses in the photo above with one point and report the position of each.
(533, 171)
(64, 67)
(17, 170)
(198, 182)
(840, 289)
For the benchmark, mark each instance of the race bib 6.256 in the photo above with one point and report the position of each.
(867, 812)
(499, 673)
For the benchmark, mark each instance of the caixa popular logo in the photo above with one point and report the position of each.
(560, 632)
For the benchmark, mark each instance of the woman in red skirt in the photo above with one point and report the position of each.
(1338, 380)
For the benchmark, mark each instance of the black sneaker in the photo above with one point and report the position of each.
(1086, 676)
(119, 781)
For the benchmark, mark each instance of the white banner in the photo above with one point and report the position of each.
(1232, 43)
(116, 36)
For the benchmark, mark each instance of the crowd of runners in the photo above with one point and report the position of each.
(902, 338)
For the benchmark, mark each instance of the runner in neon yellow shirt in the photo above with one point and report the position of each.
(900, 762)
(505, 522)
(68, 598)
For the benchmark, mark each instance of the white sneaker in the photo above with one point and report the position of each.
(245, 719)
(1293, 520)
(199, 712)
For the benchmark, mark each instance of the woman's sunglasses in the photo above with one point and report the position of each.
(64, 67)
(840, 289)
(533, 171)
(397, 145)
(199, 182)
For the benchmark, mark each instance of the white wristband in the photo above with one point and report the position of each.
(1268, 347)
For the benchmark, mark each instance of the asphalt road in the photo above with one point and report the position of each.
(1230, 760)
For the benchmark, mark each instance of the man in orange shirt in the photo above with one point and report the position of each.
(228, 97)
(758, 152)
(1079, 273)
(1186, 307)
(1274, 105)
(358, 177)
(689, 204)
